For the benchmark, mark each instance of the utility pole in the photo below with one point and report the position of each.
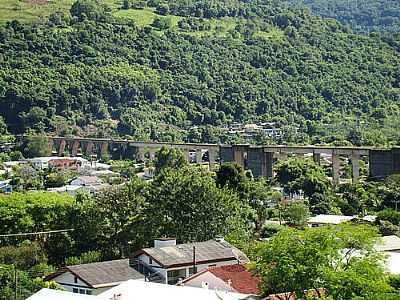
(395, 202)
(16, 283)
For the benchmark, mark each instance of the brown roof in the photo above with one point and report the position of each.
(181, 255)
(104, 273)
(242, 280)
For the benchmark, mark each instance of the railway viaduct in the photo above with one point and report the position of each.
(259, 159)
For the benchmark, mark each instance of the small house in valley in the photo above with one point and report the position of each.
(169, 263)
(94, 278)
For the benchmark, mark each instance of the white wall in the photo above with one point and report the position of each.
(213, 282)
(67, 281)
(156, 267)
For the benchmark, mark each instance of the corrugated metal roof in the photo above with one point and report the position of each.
(106, 272)
(182, 254)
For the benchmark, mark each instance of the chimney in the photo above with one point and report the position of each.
(219, 239)
(164, 242)
(230, 284)
(117, 297)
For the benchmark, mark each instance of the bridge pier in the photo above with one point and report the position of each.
(75, 147)
(317, 158)
(102, 150)
(61, 148)
(355, 165)
(268, 165)
(212, 154)
(152, 154)
(335, 168)
(89, 149)
(240, 154)
(139, 156)
(199, 156)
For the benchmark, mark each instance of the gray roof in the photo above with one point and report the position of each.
(388, 243)
(182, 254)
(105, 273)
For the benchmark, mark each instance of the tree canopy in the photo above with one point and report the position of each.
(233, 61)
(339, 259)
(363, 16)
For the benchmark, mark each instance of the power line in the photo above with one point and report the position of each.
(36, 233)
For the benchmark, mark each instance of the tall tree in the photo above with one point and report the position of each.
(231, 175)
(296, 214)
(187, 204)
(36, 146)
(112, 220)
(260, 196)
(302, 174)
(341, 259)
(169, 158)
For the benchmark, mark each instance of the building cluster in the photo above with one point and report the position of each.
(89, 174)
(251, 130)
(212, 269)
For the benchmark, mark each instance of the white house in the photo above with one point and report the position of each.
(233, 278)
(70, 189)
(156, 291)
(76, 163)
(321, 220)
(86, 181)
(141, 290)
(168, 262)
(94, 278)
(48, 294)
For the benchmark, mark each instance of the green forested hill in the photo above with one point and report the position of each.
(362, 15)
(156, 72)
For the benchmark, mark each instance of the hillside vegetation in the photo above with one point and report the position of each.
(180, 70)
(362, 15)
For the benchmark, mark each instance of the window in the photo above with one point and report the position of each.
(174, 275)
(150, 261)
(82, 291)
(75, 290)
(88, 292)
(75, 279)
(191, 271)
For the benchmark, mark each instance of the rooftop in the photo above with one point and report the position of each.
(134, 289)
(89, 179)
(181, 255)
(388, 243)
(242, 280)
(47, 294)
(49, 158)
(329, 219)
(392, 263)
(101, 274)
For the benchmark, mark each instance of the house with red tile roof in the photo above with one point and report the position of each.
(232, 278)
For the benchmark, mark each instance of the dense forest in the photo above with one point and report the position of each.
(195, 67)
(363, 16)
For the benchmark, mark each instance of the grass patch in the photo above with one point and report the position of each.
(275, 34)
(24, 11)
(142, 17)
